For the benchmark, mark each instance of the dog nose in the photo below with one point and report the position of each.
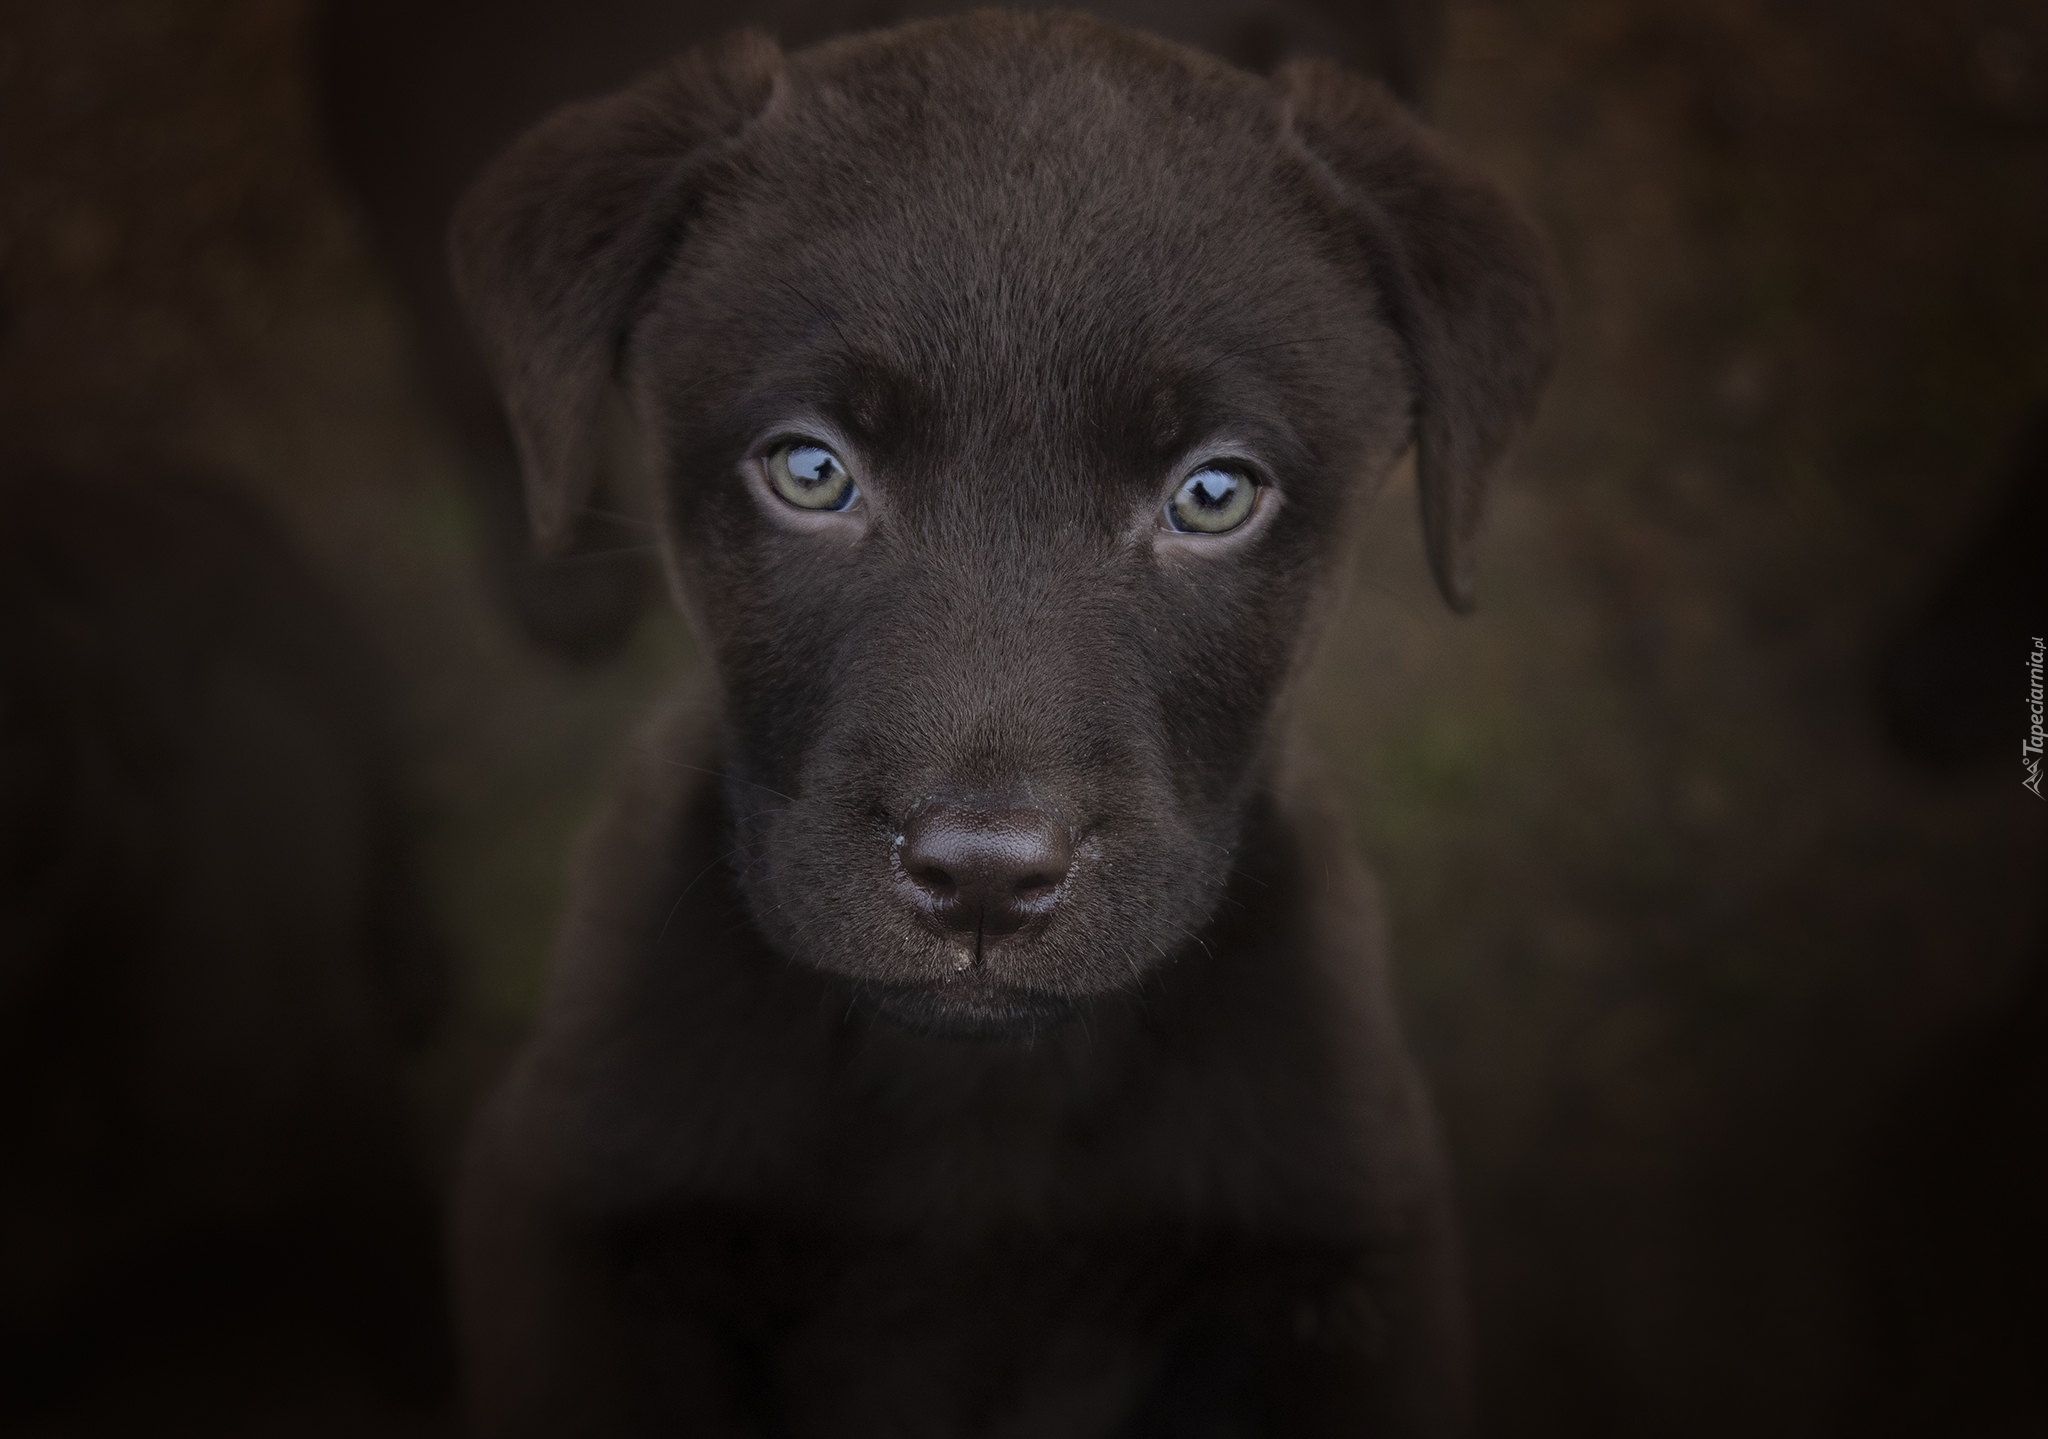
(984, 870)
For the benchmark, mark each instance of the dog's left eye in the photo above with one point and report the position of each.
(1213, 500)
(810, 476)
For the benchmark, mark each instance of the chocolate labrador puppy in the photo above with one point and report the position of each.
(965, 1024)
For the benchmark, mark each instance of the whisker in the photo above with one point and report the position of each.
(675, 908)
(831, 321)
(721, 774)
(620, 517)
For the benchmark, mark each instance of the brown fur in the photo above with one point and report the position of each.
(788, 1157)
(417, 94)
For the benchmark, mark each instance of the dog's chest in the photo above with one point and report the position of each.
(1090, 1137)
(943, 1249)
(843, 1332)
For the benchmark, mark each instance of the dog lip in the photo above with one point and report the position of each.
(967, 1009)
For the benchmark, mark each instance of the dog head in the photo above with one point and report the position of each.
(1011, 381)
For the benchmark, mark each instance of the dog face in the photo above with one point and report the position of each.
(1012, 380)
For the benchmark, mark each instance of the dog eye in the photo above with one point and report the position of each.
(1212, 500)
(810, 476)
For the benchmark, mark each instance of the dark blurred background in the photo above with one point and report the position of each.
(1718, 905)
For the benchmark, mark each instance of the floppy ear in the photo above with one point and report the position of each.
(1465, 281)
(558, 241)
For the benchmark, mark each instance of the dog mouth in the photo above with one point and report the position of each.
(969, 1007)
(981, 916)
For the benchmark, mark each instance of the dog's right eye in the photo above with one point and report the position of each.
(1215, 499)
(810, 476)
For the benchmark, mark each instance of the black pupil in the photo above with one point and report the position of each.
(1212, 489)
(813, 467)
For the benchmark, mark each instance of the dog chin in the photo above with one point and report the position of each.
(967, 1010)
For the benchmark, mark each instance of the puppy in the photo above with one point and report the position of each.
(964, 1027)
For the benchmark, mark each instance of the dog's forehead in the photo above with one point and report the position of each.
(1018, 208)
(1015, 165)
(1012, 89)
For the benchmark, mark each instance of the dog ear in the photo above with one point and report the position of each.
(558, 241)
(1465, 281)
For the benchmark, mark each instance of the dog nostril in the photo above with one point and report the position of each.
(985, 868)
(931, 877)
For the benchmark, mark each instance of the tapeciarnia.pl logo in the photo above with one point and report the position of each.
(2030, 751)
